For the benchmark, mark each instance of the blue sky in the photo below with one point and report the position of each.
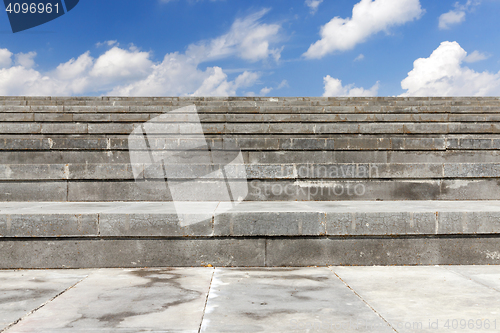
(258, 48)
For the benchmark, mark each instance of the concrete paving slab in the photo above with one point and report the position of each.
(24, 291)
(432, 299)
(485, 275)
(127, 300)
(285, 300)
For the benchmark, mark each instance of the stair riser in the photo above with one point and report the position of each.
(252, 252)
(269, 172)
(42, 117)
(321, 128)
(105, 191)
(258, 220)
(262, 157)
(245, 143)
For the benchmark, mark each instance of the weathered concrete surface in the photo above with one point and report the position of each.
(33, 191)
(489, 277)
(158, 300)
(76, 149)
(418, 299)
(262, 128)
(206, 219)
(123, 171)
(158, 219)
(257, 219)
(485, 188)
(53, 225)
(141, 252)
(76, 235)
(382, 251)
(313, 299)
(24, 291)
(283, 300)
(243, 252)
(87, 153)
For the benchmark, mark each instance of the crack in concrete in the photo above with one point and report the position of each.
(39, 307)
(470, 278)
(206, 300)
(213, 218)
(363, 300)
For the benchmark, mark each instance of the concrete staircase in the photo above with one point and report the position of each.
(331, 181)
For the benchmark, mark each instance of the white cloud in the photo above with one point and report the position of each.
(74, 74)
(476, 56)
(442, 74)
(18, 80)
(334, 87)
(360, 57)
(131, 72)
(175, 75)
(119, 64)
(457, 15)
(313, 5)
(83, 75)
(26, 60)
(217, 85)
(179, 74)
(108, 43)
(5, 58)
(75, 68)
(450, 18)
(368, 18)
(248, 39)
(283, 84)
(266, 90)
(246, 79)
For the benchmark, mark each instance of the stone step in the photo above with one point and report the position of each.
(41, 117)
(389, 180)
(80, 156)
(374, 156)
(298, 142)
(255, 108)
(258, 190)
(256, 219)
(305, 251)
(21, 100)
(256, 128)
(296, 171)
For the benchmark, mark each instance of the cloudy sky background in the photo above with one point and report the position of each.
(258, 48)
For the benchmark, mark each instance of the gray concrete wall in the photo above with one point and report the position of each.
(364, 155)
(76, 149)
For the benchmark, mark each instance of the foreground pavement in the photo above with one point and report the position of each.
(205, 299)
